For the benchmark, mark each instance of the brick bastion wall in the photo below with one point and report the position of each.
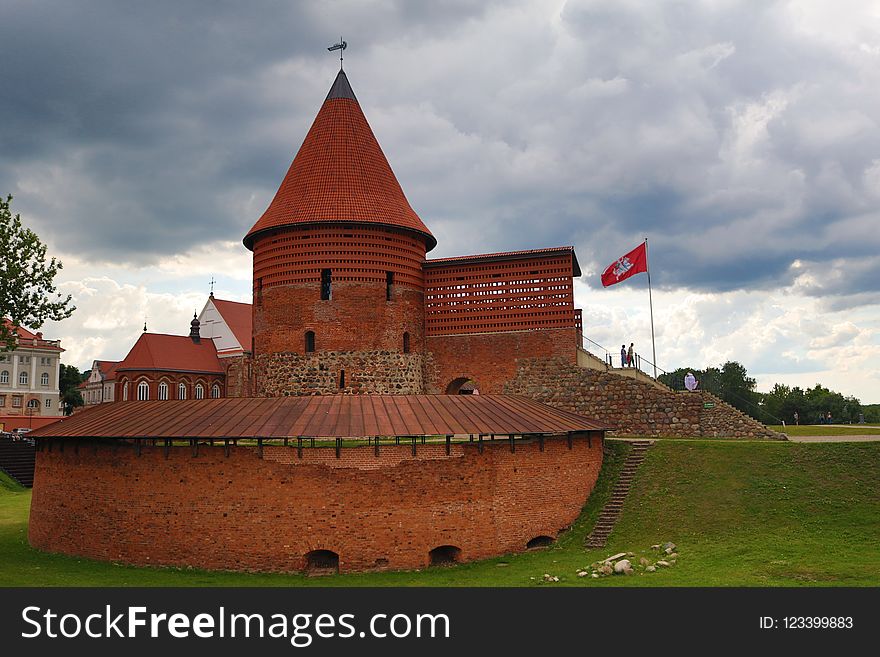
(630, 406)
(248, 513)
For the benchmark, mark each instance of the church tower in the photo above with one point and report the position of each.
(339, 290)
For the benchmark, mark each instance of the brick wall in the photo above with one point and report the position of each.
(358, 316)
(379, 372)
(248, 513)
(631, 406)
(490, 359)
(239, 375)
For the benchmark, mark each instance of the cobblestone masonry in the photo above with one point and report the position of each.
(248, 513)
(380, 372)
(631, 406)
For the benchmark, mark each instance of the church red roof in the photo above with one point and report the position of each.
(340, 174)
(239, 318)
(172, 353)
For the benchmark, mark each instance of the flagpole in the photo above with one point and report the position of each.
(651, 305)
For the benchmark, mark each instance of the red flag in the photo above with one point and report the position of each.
(634, 262)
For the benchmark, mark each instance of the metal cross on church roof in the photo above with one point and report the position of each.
(342, 45)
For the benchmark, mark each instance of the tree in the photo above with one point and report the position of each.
(26, 280)
(68, 384)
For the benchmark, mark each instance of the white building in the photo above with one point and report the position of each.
(99, 387)
(29, 380)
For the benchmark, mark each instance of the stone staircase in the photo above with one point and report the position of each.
(611, 511)
(17, 460)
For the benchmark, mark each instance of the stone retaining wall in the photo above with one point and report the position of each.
(629, 406)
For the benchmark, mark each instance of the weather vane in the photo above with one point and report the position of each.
(212, 286)
(342, 45)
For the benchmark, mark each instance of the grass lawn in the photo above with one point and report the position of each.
(823, 430)
(742, 514)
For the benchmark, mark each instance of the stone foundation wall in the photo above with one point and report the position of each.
(320, 373)
(246, 513)
(630, 406)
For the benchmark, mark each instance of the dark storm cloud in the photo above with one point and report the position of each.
(140, 129)
(736, 140)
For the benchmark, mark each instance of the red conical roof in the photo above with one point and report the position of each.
(340, 174)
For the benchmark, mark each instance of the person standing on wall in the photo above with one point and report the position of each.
(630, 355)
(623, 355)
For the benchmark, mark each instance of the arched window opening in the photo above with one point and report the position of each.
(540, 542)
(215, 391)
(310, 341)
(143, 391)
(444, 555)
(200, 391)
(23, 378)
(163, 391)
(322, 562)
(341, 379)
(4, 376)
(326, 285)
(406, 343)
(389, 284)
(44, 379)
(181, 391)
(125, 391)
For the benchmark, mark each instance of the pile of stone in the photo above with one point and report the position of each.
(624, 563)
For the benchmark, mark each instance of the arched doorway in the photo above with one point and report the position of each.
(462, 386)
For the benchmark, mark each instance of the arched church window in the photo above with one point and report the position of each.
(143, 391)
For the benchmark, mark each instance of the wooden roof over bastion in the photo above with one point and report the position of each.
(331, 416)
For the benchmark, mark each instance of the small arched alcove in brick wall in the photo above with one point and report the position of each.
(540, 542)
(444, 555)
(116, 503)
(321, 562)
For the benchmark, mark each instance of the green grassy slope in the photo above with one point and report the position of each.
(742, 514)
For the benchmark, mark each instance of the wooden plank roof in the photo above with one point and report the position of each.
(339, 416)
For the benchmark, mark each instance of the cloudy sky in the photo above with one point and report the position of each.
(141, 140)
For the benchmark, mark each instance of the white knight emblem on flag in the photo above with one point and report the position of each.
(623, 265)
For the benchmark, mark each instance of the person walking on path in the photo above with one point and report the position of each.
(623, 355)
(796, 418)
(630, 355)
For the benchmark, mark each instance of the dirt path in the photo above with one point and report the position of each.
(863, 438)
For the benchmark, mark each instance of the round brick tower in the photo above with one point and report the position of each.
(338, 281)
